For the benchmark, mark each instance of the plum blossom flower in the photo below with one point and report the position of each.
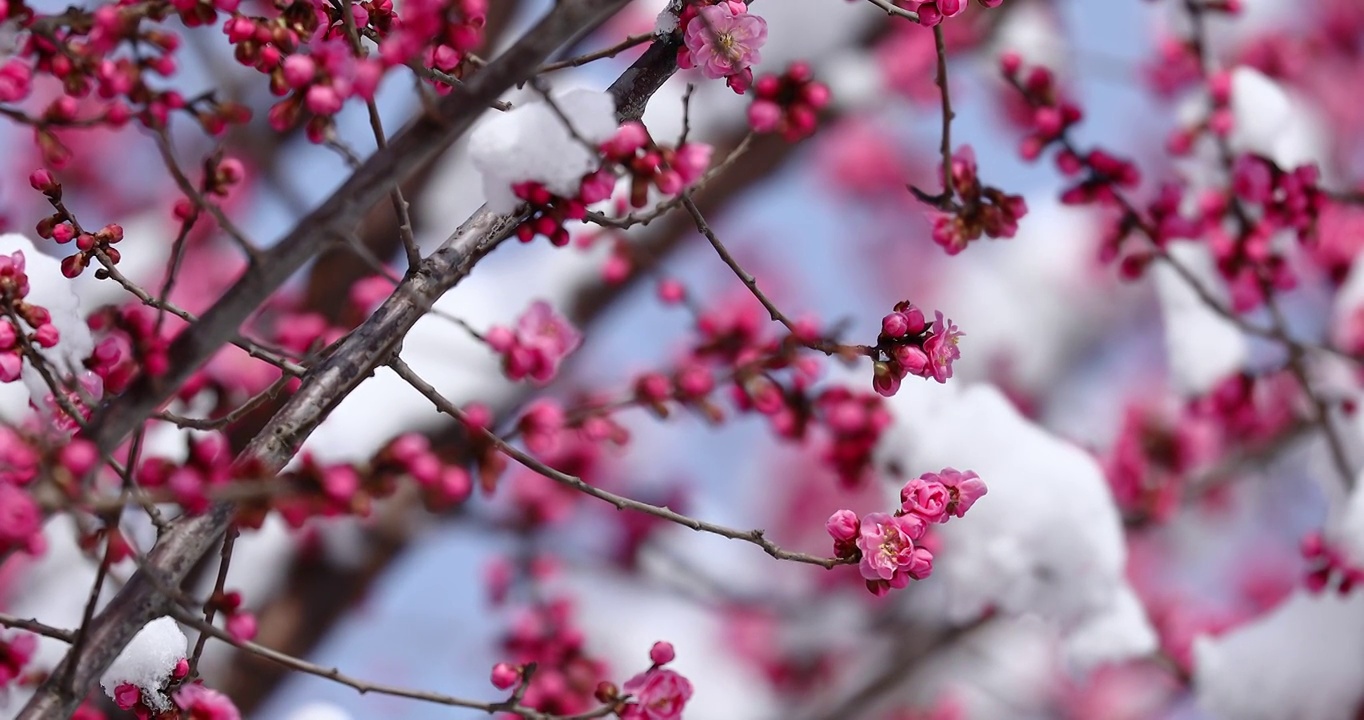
(941, 348)
(927, 498)
(888, 551)
(724, 42)
(661, 695)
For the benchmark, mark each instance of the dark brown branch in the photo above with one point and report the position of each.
(37, 628)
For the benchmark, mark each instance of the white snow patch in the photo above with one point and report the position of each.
(1302, 661)
(1046, 540)
(52, 290)
(1272, 122)
(148, 662)
(667, 21)
(531, 143)
(1034, 32)
(1203, 347)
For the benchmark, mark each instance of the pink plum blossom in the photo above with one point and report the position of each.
(661, 694)
(926, 498)
(941, 348)
(723, 42)
(887, 544)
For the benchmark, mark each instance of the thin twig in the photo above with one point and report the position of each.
(610, 52)
(755, 537)
(211, 604)
(37, 628)
(366, 687)
(894, 10)
(824, 346)
(940, 44)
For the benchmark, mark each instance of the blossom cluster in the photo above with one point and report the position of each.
(884, 544)
(566, 677)
(630, 153)
(908, 345)
(14, 288)
(208, 465)
(27, 456)
(1158, 450)
(648, 164)
(144, 704)
(979, 210)
(1328, 562)
(133, 341)
(789, 103)
(658, 693)
(1285, 200)
(932, 12)
(62, 228)
(854, 423)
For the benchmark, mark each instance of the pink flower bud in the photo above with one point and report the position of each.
(505, 676)
(500, 339)
(10, 365)
(662, 653)
(323, 100)
(79, 457)
(126, 696)
(670, 291)
(242, 626)
(895, 325)
(764, 116)
(42, 181)
(843, 526)
(46, 335)
(951, 8)
(63, 233)
(1010, 63)
(627, 141)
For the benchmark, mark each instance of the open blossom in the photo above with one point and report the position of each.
(888, 552)
(661, 695)
(723, 42)
(941, 348)
(982, 209)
